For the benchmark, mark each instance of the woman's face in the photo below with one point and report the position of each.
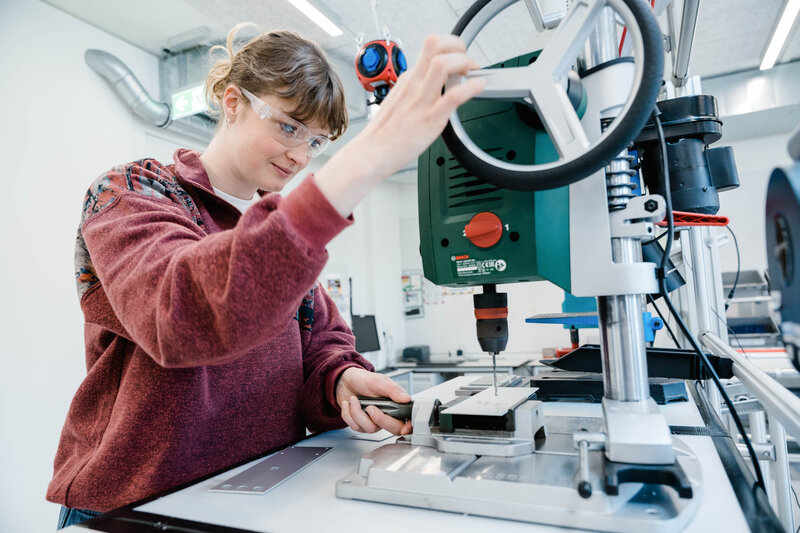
(261, 159)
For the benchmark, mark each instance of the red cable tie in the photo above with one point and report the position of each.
(681, 218)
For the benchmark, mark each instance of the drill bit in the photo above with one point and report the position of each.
(494, 371)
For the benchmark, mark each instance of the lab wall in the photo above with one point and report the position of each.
(62, 126)
(745, 206)
(368, 253)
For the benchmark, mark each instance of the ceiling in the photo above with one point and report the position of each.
(731, 34)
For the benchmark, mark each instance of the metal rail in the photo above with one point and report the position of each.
(783, 410)
(776, 399)
(680, 69)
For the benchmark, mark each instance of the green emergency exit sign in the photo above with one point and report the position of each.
(188, 102)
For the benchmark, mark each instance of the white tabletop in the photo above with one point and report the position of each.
(307, 501)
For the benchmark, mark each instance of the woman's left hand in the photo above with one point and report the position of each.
(356, 382)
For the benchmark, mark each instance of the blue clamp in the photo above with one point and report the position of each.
(651, 325)
(589, 320)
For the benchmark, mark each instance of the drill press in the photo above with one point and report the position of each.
(532, 181)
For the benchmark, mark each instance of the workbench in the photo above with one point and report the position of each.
(306, 501)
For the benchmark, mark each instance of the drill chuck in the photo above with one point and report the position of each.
(491, 315)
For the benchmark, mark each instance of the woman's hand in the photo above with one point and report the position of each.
(359, 382)
(410, 119)
(415, 112)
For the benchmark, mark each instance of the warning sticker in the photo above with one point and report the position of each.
(465, 266)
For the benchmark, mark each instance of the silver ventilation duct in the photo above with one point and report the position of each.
(141, 103)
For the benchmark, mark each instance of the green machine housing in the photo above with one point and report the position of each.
(534, 243)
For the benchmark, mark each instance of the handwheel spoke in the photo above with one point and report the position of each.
(543, 85)
(560, 53)
(502, 83)
(559, 118)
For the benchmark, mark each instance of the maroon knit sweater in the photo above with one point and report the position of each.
(207, 340)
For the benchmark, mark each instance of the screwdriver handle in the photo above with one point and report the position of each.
(400, 411)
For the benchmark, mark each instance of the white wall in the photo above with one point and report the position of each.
(745, 206)
(62, 126)
(369, 253)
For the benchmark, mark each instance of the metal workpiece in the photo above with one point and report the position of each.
(780, 404)
(485, 403)
(272, 471)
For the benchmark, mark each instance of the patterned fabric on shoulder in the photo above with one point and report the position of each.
(147, 177)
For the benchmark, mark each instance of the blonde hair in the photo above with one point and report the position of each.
(283, 64)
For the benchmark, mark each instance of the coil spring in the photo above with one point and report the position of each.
(619, 182)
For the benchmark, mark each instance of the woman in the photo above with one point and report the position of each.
(207, 339)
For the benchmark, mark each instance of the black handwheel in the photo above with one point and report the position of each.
(542, 84)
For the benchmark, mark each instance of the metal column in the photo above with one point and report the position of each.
(758, 435)
(783, 483)
(620, 317)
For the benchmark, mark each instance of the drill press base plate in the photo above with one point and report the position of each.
(539, 487)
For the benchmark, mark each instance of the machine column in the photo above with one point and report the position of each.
(622, 336)
(620, 317)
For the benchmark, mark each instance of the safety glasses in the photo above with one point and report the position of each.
(284, 128)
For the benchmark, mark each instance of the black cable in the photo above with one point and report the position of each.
(664, 320)
(658, 238)
(662, 284)
(710, 370)
(738, 267)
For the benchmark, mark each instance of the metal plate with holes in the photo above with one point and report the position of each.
(486, 403)
(272, 471)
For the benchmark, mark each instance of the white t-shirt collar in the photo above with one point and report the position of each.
(238, 203)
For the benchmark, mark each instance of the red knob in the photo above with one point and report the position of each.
(484, 230)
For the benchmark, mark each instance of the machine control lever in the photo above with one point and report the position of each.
(584, 485)
(400, 411)
(586, 441)
(484, 230)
